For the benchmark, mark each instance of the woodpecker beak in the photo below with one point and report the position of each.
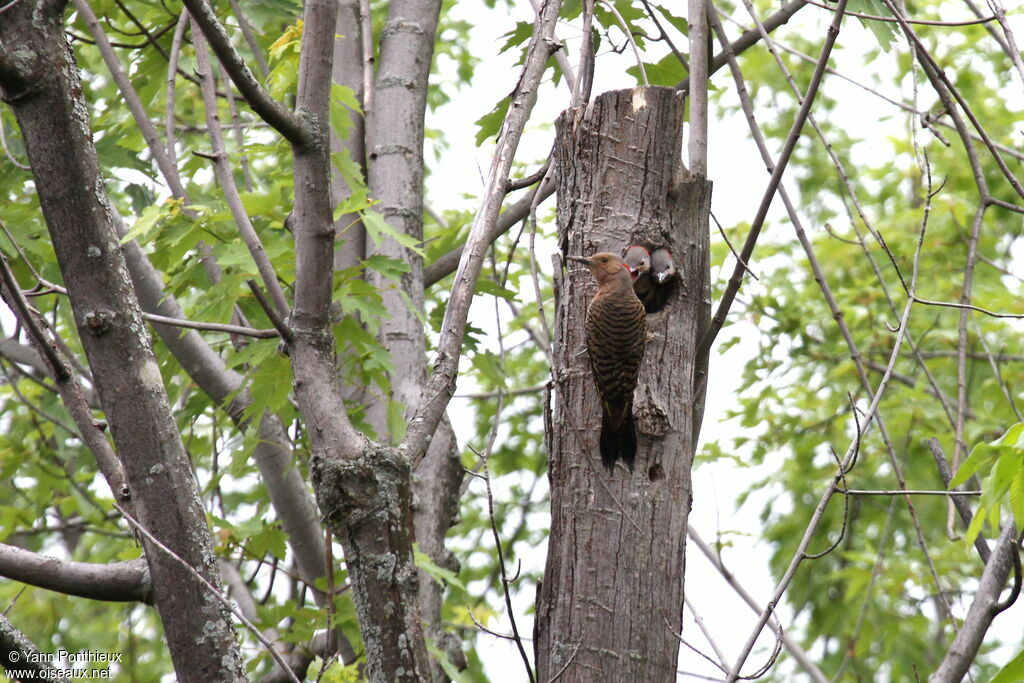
(663, 275)
(580, 259)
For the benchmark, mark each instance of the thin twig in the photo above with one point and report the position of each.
(277, 321)
(270, 110)
(917, 22)
(704, 347)
(212, 327)
(629, 38)
(904, 492)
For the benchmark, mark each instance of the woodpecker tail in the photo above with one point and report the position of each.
(618, 442)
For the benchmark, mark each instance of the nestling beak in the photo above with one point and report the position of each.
(663, 275)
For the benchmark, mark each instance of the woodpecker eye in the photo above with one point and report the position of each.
(604, 259)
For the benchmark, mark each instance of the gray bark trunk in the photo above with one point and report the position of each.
(609, 607)
(40, 81)
(395, 176)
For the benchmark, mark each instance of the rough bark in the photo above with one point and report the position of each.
(40, 81)
(609, 606)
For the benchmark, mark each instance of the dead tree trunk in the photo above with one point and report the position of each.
(609, 607)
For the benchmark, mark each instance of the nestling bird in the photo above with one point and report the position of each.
(616, 332)
(663, 268)
(652, 275)
(639, 261)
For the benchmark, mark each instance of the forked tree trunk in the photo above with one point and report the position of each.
(609, 607)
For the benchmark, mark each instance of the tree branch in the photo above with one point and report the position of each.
(983, 610)
(89, 430)
(704, 348)
(698, 91)
(445, 265)
(270, 110)
(226, 179)
(18, 652)
(748, 39)
(114, 582)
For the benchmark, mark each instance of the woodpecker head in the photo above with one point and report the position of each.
(662, 266)
(639, 261)
(604, 266)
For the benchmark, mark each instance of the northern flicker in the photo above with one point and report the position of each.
(639, 261)
(663, 267)
(616, 332)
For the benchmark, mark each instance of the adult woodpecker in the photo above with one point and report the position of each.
(616, 332)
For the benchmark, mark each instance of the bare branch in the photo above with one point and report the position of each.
(116, 582)
(250, 38)
(16, 650)
(209, 587)
(445, 265)
(961, 505)
(211, 327)
(904, 492)
(983, 610)
(749, 38)
(89, 430)
(571, 78)
(792, 647)
(269, 109)
(700, 38)
(165, 163)
(916, 22)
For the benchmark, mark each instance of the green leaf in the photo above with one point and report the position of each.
(378, 228)
(440, 574)
(343, 103)
(1013, 672)
(141, 197)
(979, 456)
(490, 123)
(680, 23)
(485, 286)
(391, 268)
(884, 31)
(517, 36)
(396, 421)
(666, 71)
(1014, 437)
(976, 525)
(1017, 497)
(261, 203)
